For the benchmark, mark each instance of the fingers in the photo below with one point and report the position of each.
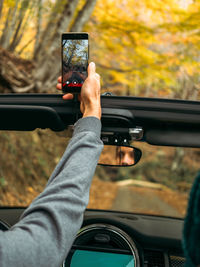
(91, 68)
(97, 76)
(59, 86)
(91, 72)
(68, 96)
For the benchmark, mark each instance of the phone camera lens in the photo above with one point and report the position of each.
(74, 82)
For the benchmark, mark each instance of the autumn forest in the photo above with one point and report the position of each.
(141, 48)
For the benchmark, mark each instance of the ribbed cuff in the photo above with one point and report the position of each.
(91, 124)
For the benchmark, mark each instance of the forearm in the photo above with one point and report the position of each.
(45, 233)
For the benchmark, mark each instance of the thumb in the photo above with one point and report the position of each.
(91, 68)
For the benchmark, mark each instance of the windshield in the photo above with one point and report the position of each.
(141, 48)
(159, 184)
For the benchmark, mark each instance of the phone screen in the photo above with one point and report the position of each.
(74, 61)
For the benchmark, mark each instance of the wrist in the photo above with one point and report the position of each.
(96, 112)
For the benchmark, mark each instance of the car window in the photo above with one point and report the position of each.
(159, 184)
(28, 159)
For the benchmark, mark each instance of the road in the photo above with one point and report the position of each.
(146, 202)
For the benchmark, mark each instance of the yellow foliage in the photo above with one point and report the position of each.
(144, 43)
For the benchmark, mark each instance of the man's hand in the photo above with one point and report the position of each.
(89, 97)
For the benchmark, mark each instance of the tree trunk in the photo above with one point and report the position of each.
(63, 23)
(47, 32)
(6, 28)
(39, 22)
(12, 26)
(51, 36)
(1, 7)
(14, 42)
(177, 164)
(46, 58)
(17, 35)
(83, 16)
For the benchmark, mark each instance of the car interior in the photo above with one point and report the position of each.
(147, 55)
(116, 236)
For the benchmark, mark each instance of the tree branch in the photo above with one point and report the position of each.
(16, 72)
(24, 89)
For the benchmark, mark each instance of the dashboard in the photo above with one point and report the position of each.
(109, 238)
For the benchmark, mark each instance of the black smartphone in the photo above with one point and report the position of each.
(75, 54)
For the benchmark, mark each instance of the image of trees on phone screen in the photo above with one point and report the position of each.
(75, 62)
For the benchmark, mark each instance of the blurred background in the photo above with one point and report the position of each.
(141, 48)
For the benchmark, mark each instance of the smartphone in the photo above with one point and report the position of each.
(75, 54)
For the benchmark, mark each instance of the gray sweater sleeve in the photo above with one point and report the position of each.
(46, 230)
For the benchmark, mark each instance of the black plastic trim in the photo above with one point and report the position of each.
(179, 120)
